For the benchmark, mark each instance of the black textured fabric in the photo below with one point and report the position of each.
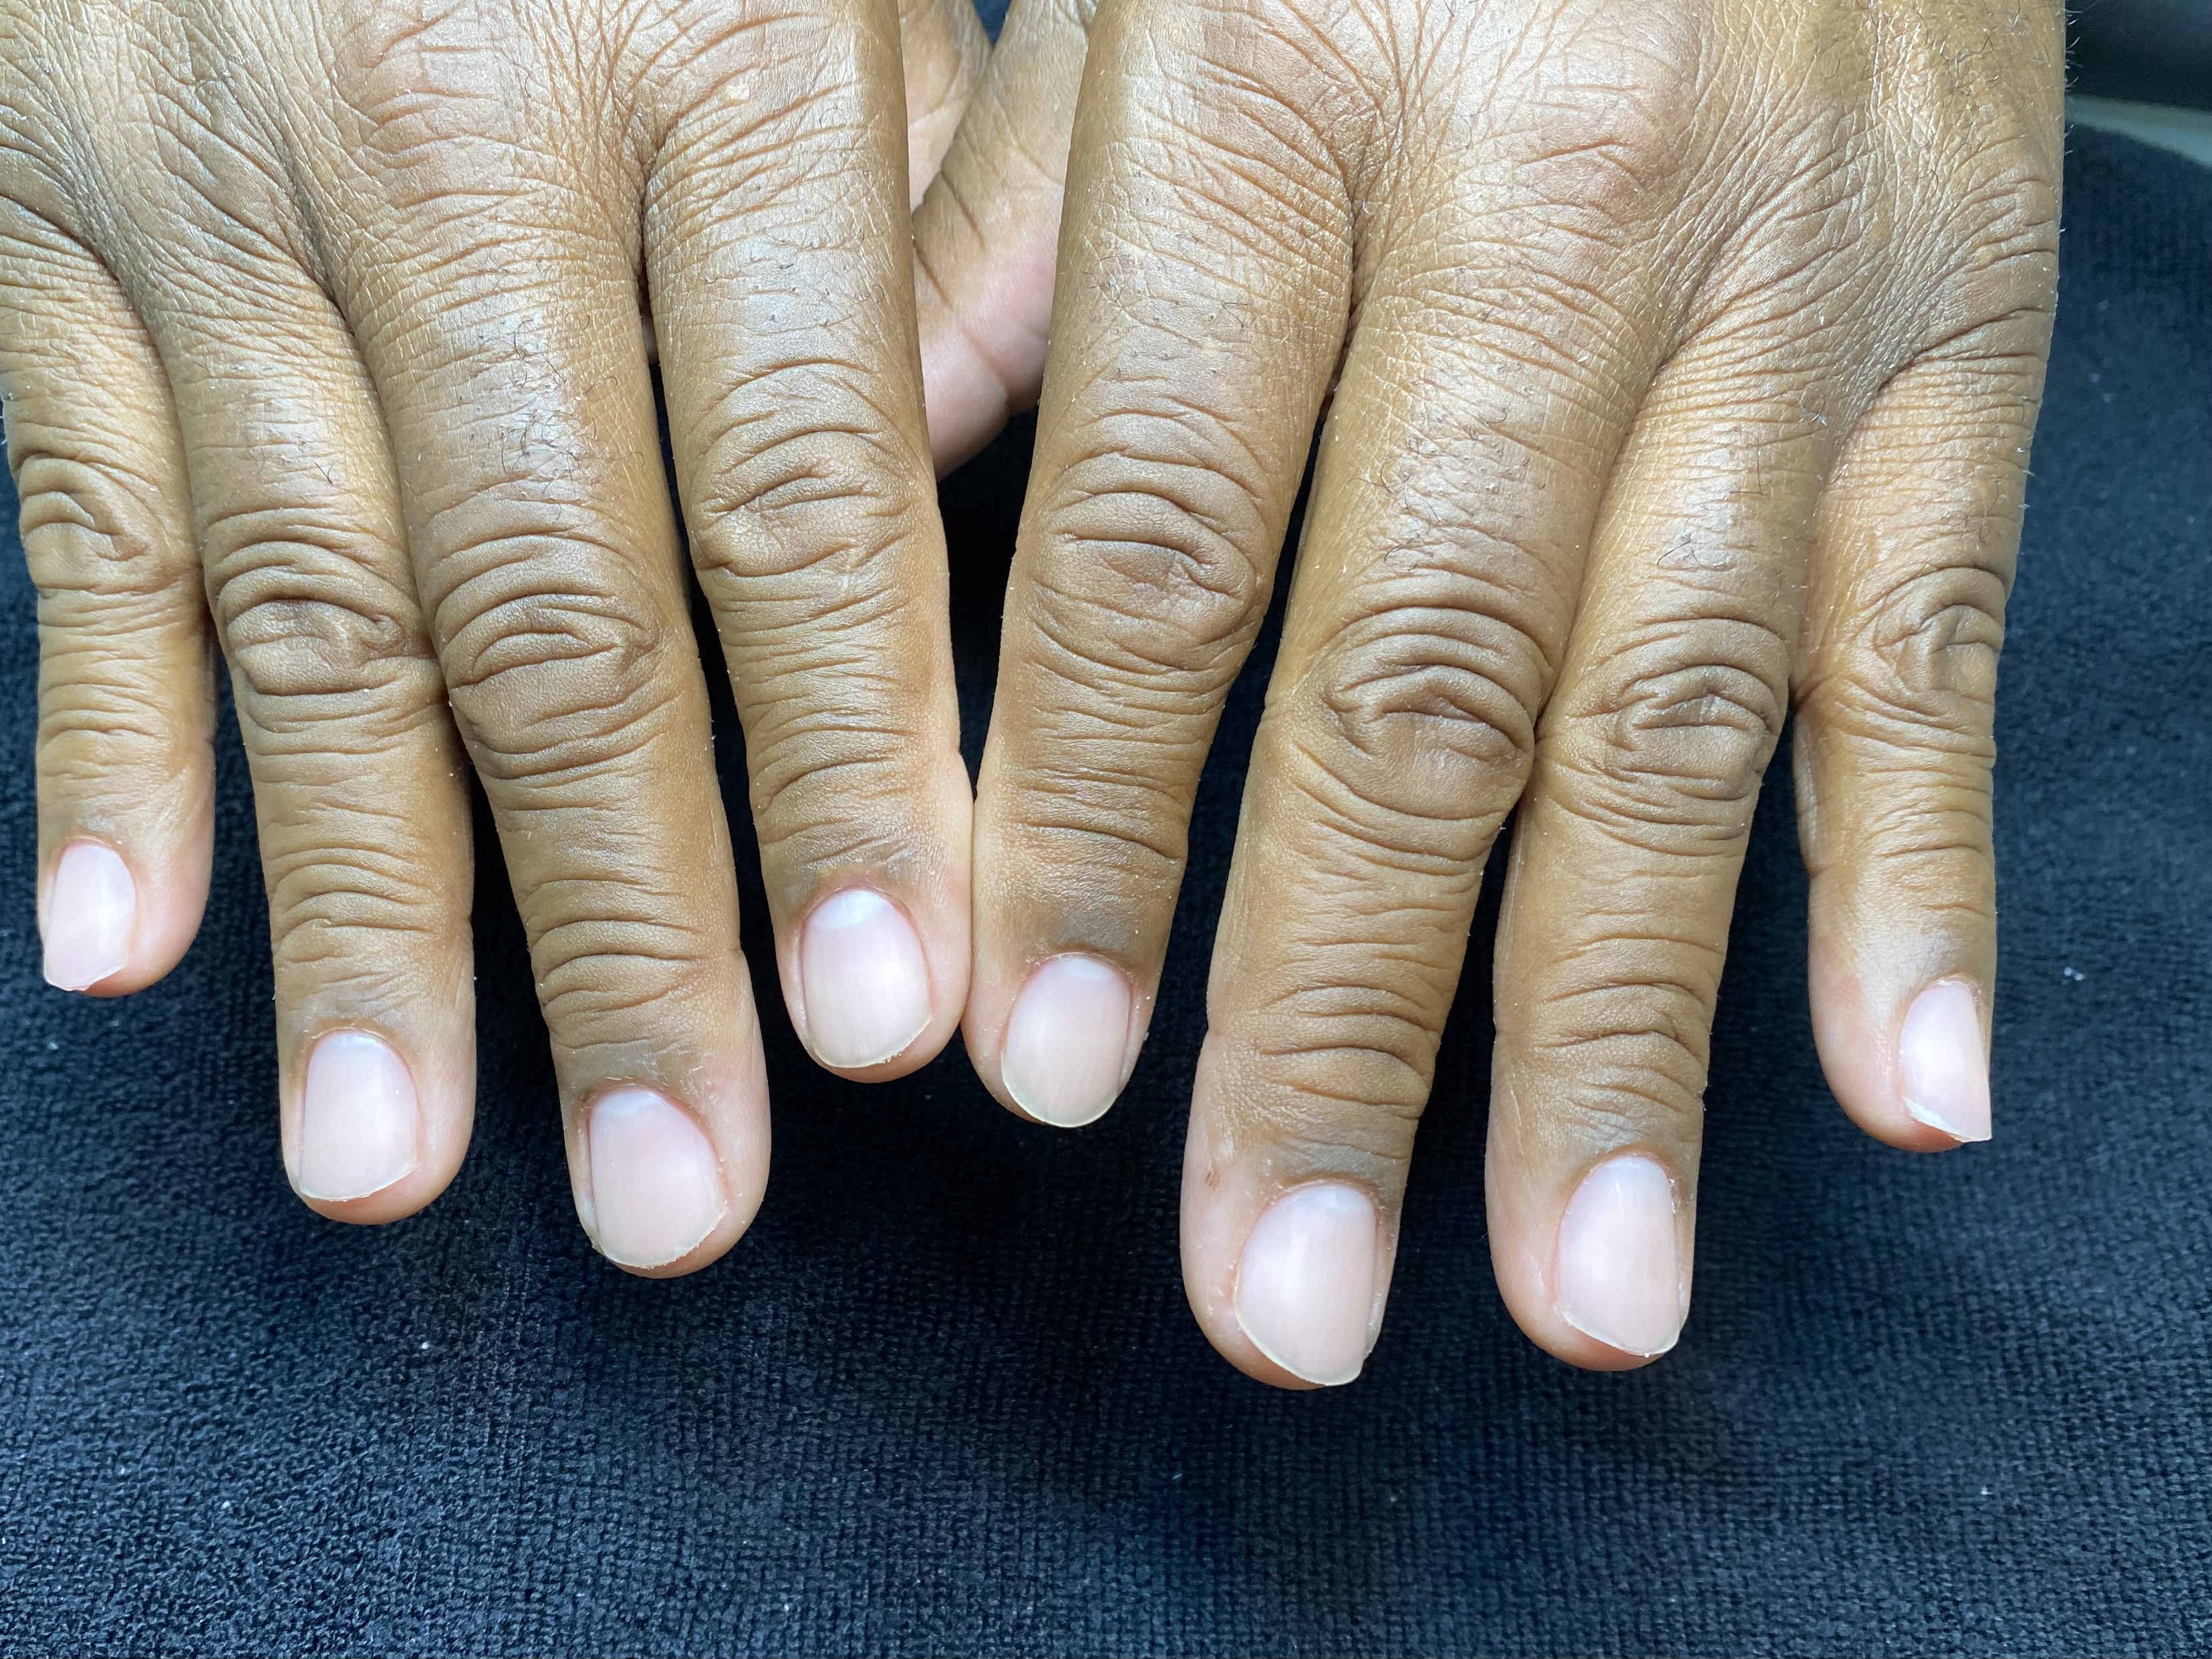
(946, 1397)
(2155, 49)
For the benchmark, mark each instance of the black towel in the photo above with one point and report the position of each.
(946, 1397)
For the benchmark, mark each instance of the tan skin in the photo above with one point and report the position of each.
(323, 329)
(1674, 365)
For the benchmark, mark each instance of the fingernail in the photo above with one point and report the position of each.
(1619, 1266)
(866, 984)
(1068, 1040)
(357, 1118)
(1305, 1288)
(656, 1189)
(90, 910)
(1940, 1060)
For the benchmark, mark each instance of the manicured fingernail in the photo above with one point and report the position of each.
(1941, 1063)
(865, 983)
(1305, 1288)
(90, 910)
(1068, 1040)
(1619, 1266)
(357, 1118)
(656, 1186)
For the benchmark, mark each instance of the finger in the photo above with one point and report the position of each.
(1466, 453)
(126, 706)
(519, 411)
(1905, 616)
(358, 785)
(795, 411)
(1168, 458)
(1629, 842)
(946, 51)
(986, 235)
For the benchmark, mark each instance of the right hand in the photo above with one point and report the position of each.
(1678, 360)
(325, 316)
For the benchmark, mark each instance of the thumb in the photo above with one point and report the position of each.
(986, 231)
(946, 49)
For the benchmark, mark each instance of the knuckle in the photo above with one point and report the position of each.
(821, 503)
(1676, 737)
(94, 543)
(311, 626)
(1922, 666)
(1607, 138)
(1153, 564)
(1998, 177)
(1348, 1028)
(598, 974)
(1629, 1052)
(1932, 845)
(100, 723)
(350, 902)
(1345, 1074)
(1422, 711)
(1357, 1043)
(1108, 828)
(551, 663)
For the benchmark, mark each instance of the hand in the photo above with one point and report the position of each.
(1679, 362)
(325, 316)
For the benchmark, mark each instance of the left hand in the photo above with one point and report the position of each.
(329, 317)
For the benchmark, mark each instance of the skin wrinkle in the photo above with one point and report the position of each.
(458, 185)
(1676, 212)
(1587, 232)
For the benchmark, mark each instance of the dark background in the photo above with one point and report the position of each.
(2156, 52)
(946, 1397)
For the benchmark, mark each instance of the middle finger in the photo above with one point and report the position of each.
(504, 339)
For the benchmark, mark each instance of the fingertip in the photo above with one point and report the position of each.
(90, 916)
(1305, 1282)
(665, 1182)
(863, 1001)
(966, 398)
(657, 1193)
(1908, 1064)
(1619, 1279)
(1942, 1065)
(374, 1133)
(110, 926)
(1287, 1277)
(1597, 1276)
(1069, 1041)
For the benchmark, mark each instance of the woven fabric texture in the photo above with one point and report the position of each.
(946, 1397)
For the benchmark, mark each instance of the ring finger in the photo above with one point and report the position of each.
(1628, 846)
